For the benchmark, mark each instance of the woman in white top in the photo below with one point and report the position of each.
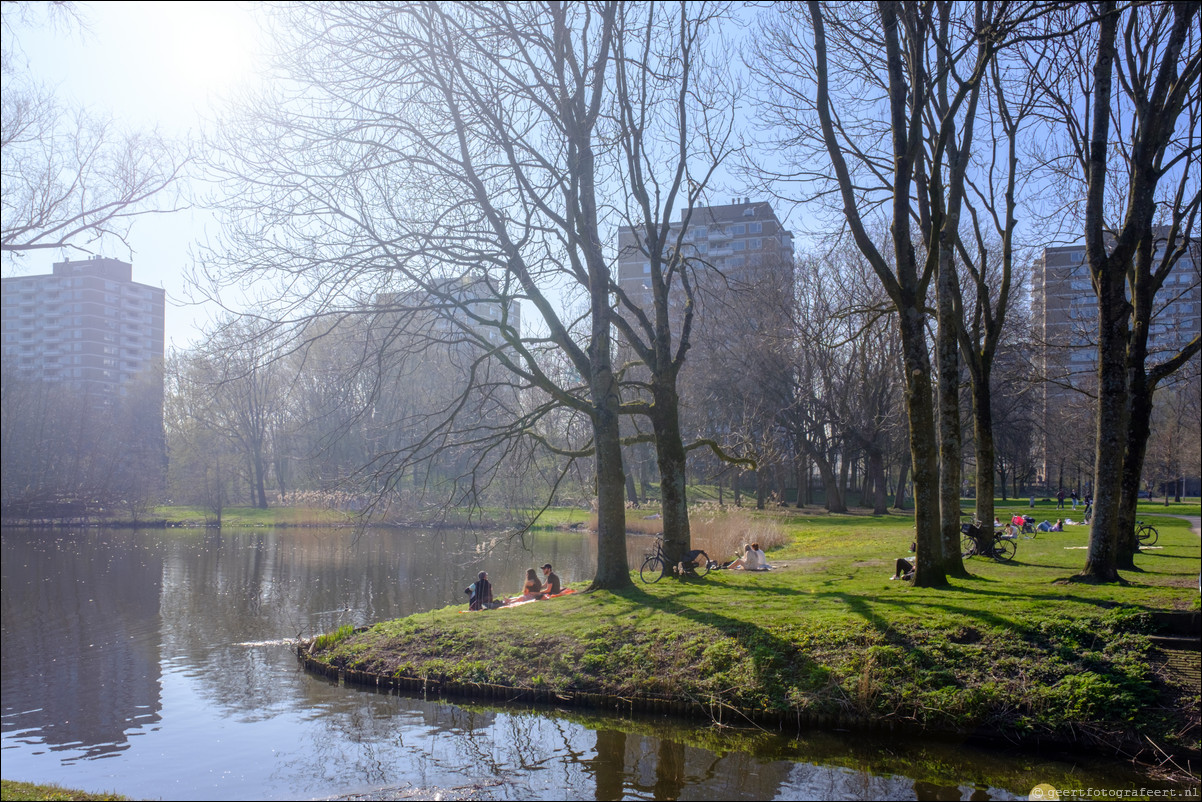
(750, 561)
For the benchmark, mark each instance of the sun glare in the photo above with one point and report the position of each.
(208, 50)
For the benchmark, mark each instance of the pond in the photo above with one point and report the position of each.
(159, 664)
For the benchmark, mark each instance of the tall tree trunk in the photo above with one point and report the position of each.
(830, 485)
(670, 457)
(258, 480)
(948, 350)
(929, 571)
(1138, 431)
(1108, 280)
(982, 418)
(899, 499)
(613, 568)
(844, 471)
(801, 469)
(876, 470)
(1101, 563)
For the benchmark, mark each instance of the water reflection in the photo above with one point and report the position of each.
(167, 653)
(81, 641)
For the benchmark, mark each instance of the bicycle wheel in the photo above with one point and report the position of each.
(701, 566)
(652, 570)
(1147, 535)
(1004, 550)
(968, 546)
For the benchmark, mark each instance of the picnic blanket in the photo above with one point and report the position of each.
(566, 592)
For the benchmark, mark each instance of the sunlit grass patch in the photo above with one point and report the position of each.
(1008, 649)
(51, 793)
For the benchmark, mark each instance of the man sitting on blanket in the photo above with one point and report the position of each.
(550, 582)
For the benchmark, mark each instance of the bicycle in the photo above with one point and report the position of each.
(654, 566)
(1146, 534)
(976, 542)
(1020, 524)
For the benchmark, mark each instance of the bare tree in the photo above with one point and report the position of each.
(919, 68)
(673, 121)
(1139, 127)
(428, 142)
(71, 178)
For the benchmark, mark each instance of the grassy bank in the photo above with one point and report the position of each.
(828, 637)
(48, 793)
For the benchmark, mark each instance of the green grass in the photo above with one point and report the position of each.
(253, 516)
(1014, 648)
(53, 793)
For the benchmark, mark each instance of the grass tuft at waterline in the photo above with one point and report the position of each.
(49, 793)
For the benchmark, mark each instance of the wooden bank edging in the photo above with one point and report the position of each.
(643, 703)
(1128, 746)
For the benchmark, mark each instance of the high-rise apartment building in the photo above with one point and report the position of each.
(1065, 326)
(740, 240)
(1066, 314)
(88, 323)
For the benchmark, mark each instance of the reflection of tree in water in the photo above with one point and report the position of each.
(608, 764)
(81, 639)
(662, 766)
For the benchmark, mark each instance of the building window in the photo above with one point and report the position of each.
(738, 231)
(755, 228)
(738, 245)
(754, 244)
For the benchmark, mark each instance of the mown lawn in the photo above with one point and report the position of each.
(1012, 649)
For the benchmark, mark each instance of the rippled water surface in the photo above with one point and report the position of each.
(158, 664)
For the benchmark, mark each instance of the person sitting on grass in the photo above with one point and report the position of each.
(531, 590)
(750, 561)
(689, 563)
(479, 593)
(904, 569)
(552, 582)
(761, 557)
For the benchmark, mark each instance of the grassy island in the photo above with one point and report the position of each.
(828, 638)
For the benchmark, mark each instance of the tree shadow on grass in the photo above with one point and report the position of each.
(769, 652)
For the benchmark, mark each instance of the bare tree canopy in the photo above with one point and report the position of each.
(1121, 98)
(71, 177)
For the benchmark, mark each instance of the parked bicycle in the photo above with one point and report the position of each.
(977, 541)
(655, 566)
(1146, 534)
